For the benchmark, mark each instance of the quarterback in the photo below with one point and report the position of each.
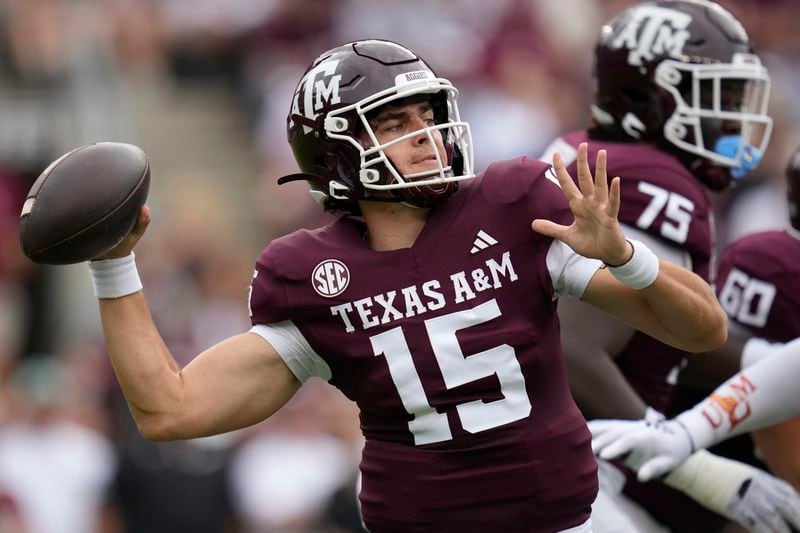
(431, 303)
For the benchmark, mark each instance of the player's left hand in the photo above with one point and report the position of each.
(765, 504)
(596, 233)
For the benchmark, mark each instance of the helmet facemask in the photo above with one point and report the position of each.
(720, 110)
(377, 174)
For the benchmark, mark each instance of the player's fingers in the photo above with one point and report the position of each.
(620, 446)
(776, 523)
(568, 186)
(770, 521)
(604, 432)
(584, 170)
(601, 442)
(654, 468)
(141, 222)
(144, 217)
(613, 198)
(600, 176)
(791, 508)
(750, 522)
(549, 228)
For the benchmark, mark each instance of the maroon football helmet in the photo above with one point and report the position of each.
(793, 188)
(328, 123)
(681, 74)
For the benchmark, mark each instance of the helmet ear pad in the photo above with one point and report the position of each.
(651, 105)
(639, 109)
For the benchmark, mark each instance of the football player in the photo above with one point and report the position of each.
(757, 289)
(430, 302)
(680, 102)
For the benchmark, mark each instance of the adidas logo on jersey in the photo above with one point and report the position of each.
(482, 241)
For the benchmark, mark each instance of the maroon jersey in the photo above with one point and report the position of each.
(451, 350)
(660, 197)
(758, 284)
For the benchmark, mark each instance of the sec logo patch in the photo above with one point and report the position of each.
(330, 278)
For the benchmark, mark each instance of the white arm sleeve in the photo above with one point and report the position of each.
(570, 272)
(757, 397)
(294, 349)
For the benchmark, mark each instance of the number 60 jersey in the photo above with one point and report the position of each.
(451, 350)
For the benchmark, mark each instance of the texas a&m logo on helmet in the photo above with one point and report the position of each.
(653, 31)
(319, 86)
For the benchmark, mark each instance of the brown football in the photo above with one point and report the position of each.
(84, 203)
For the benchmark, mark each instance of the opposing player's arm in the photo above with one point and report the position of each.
(768, 388)
(757, 397)
(678, 308)
(234, 384)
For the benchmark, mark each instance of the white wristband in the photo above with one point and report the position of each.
(641, 270)
(114, 278)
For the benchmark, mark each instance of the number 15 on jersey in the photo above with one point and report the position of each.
(429, 425)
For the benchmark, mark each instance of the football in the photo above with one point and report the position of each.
(84, 203)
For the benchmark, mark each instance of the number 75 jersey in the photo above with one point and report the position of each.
(451, 350)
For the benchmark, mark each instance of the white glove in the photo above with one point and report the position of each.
(740, 492)
(653, 447)
(765, 504)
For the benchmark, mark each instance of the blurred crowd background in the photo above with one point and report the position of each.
(204, 86)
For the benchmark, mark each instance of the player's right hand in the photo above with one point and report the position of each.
(651, 448)
(125, 247)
